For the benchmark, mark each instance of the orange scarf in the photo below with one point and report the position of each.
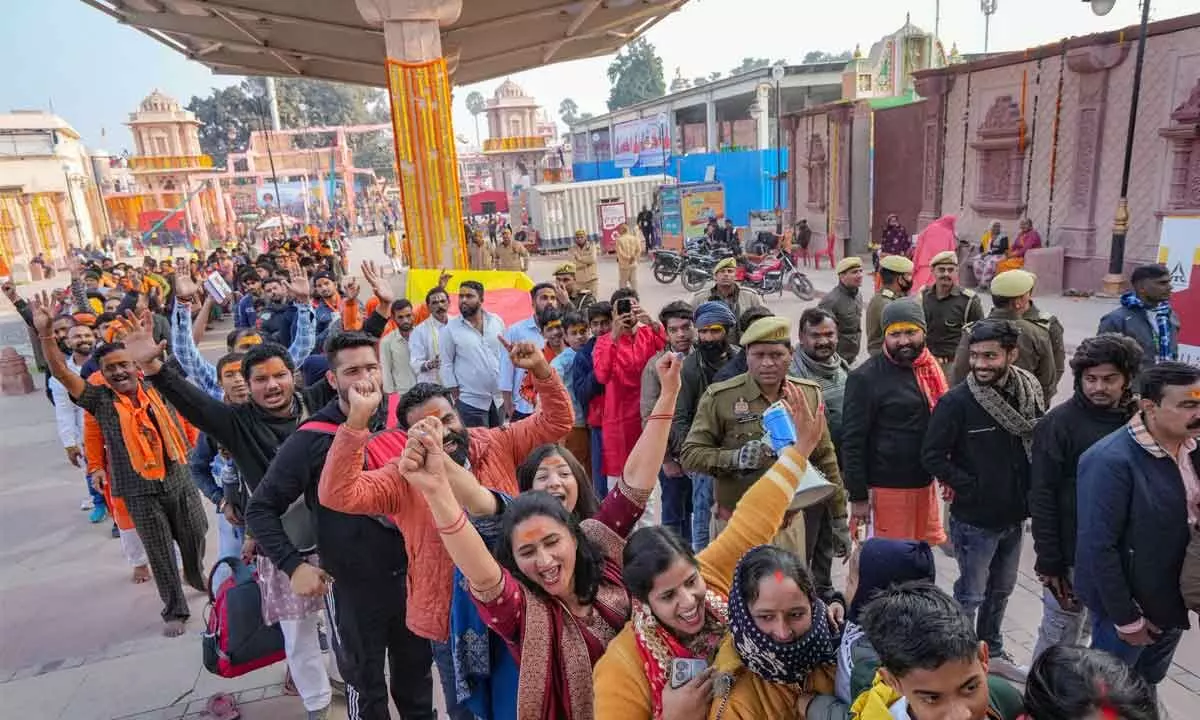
(149, 430)
(930, 378)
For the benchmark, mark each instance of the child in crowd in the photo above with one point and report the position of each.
(1074, 683)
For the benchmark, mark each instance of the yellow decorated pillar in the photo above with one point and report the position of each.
(418, 78)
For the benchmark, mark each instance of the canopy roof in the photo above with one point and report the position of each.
(329, 40)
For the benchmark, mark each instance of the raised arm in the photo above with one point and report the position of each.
(642, 466)
(200, 324)
(554, 416)
(183, 346)
(43, 322)
(345, 486)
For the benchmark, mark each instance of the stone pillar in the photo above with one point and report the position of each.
(842, 117)
(65, 239)
(710, 126)
(418, 72)
(197, 209)
(762, 96)
(934, 89)
(1078, 232)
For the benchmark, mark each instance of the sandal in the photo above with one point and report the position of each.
(222, 706)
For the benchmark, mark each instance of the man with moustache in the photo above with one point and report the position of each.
(889, 400)
(978, 444)
(1104, 367)
(515, 407)
(277, 321)
(146, 445)
(471, 353)
(1138, 507)
(571, 295)
(583, 256)
(726, 289)
(896, 271)
(69, 417)
(395, 353)
(363, 564)
(244, 315)
(845, 303)
(713, 321)
(949, 309)
(425, 343)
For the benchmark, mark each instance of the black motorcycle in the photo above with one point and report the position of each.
(698, 267)
(667, 265)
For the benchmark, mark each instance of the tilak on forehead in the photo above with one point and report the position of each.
(779, 576)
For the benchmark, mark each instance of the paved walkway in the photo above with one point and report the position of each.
(78, 641)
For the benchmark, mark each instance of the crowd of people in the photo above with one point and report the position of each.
(593, 513)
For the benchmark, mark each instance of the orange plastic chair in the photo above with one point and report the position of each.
(829, 252)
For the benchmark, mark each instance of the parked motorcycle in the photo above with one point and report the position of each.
(667, 265)
(699, 261)
(776, 272)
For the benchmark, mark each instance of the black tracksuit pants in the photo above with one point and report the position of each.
(369, 622)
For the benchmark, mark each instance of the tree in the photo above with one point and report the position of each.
(586, 116)
(636, 74)
(476, 104)
(227, 117)
(568, 111)
(713, 77)
(697, 82)
(749, 64)
(819, 56)
(679, 82)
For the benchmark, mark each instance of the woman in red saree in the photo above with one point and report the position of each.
(938, 237)
(554, 591)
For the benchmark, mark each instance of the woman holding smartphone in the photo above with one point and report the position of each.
(684, 604)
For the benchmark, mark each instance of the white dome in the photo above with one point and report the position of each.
(158, 102)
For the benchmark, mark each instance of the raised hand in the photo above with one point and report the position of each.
(422, 461)
(668, 368)
(300, 287)
(364, 398)
(185, 287)
(74, 267)
(527, 356)
(139, 338)
(10, 292)
(350, 292)
(640, 315)
(43, 316)
(810, 424)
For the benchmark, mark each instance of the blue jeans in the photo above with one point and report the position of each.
(599, 481)
(676, 503)
(1150, 661)
(443, 659)
(229, 544)
(1059, 626)
(988, 561)
(702, 502)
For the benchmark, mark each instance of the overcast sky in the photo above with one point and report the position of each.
(95, 71)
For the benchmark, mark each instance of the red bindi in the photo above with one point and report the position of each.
(779, 576)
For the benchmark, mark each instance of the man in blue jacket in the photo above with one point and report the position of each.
(1146, 315)
(1137, 496)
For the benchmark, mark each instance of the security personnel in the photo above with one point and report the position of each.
(845, 303)
(727, 290)
(583, 257)
(1050, 324)
(726, 439)
(897, 274)
(948, 309)
(570, 295)
(510, 255)
(1011, 296)
(479, 254)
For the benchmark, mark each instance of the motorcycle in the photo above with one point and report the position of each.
(776, 272)
(699, 262)
(667, 265)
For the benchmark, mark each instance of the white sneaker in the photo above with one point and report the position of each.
(1002, 664)
(85, 505)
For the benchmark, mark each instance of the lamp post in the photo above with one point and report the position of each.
(777, 73)
(988, 7)
(1112, 282)
(66, 168)
(756, 112)
(596, 154)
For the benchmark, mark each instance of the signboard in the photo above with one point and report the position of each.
(698, 203)
(761, 221)
(645, 142)
(612, 215)
(1179, 252)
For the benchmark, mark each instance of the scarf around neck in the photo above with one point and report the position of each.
(1160, 327)
(775, 661)
(930, 378)
(657, 646)
(151, 434)
(827, 370)
(1024, 388)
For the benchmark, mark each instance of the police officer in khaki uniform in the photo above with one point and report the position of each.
(510, 255)
(726, 439)
(479, 254)
(1011, 297)
(583, 256)
(1047, 321)
(845, 303)
(948, 309)
(896, 272)
(570, 295)
(727, 290)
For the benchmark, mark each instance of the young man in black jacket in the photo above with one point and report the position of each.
(1104, 367)
(978, 444)
(364, 554)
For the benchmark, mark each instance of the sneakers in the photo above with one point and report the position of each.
(98, 514)
(322, 714)
(85, 505)
(116, 532)
(1002, 664)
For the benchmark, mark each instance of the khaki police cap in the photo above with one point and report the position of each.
(1013, 283)
(766, 330)
(897, 263)
(566, 268)
(726, 263)
(848, 264)
(945, 257)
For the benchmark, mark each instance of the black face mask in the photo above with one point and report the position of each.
(712, 349)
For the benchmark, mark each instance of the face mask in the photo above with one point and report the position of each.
(711, 349)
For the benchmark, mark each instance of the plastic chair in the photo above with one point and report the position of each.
(829, 252)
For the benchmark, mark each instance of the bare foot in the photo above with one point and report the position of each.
(141, 574)
(173, 628)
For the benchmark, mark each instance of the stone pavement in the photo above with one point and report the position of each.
(78, 641)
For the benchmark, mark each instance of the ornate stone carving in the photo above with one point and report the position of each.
(1000, 160)
(1183, 193)
(933, 86)
(1085, 157)
(817, 164)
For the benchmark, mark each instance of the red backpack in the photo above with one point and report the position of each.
(235, 639)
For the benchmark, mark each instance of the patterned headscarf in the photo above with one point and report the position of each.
(775, 661)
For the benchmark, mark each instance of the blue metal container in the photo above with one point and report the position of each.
(777, 423)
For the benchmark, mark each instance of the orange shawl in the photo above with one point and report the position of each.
(150, 432)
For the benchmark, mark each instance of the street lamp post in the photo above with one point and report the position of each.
(777, 73)
(1112, 282)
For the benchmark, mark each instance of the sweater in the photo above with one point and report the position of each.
(619, 679)
(1133, 533)
(494, 454)
(1059, 439)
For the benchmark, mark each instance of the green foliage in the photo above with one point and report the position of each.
(568, 111)
(819, 56)
(476, 105)
(636, 75)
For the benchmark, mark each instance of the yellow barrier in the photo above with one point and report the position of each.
(422, 281)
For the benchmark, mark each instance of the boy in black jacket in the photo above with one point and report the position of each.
(1104, 368)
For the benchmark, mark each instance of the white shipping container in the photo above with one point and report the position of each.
(557, 210)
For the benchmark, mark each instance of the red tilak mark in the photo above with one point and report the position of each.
(779, 576)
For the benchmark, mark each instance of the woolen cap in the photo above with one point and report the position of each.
(896, 263)
(1013, 283)
(903, 311)
(945, 257)
(849, 263)
(766, 330)
(726, 263)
